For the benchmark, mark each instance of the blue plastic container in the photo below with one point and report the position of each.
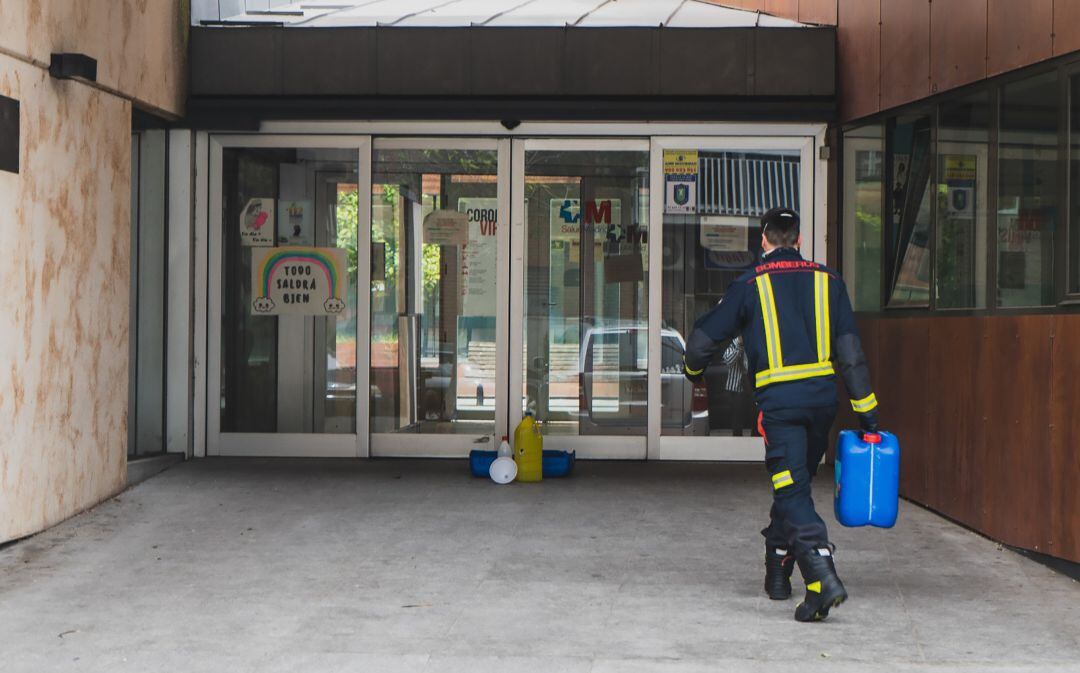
(867, 479)
(556, 463)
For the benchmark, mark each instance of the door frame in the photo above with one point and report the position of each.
(673, 447)
(416, 445)
(619, 447)
(321, 445)
(511, 144)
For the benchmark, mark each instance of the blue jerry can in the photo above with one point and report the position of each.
(867, 479)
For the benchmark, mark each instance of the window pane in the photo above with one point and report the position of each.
(864, 161)
(1028, 201)
(709, 243)
(288, 332)
(963, 142)
(149, 178)
(1074, 188)
(586, 295)
(909, 244)
(433, 304)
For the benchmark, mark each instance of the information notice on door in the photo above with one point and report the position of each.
(298, 280)
(680, 181)
(479, 256)
(446, 227)
(726, 241)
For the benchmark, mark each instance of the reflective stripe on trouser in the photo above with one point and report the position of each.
(797, 439)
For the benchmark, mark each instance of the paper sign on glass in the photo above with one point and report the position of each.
(725, 233)
(446, 227)
(298, 280)
(257, 222)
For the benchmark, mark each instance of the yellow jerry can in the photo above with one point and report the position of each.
(529, 450)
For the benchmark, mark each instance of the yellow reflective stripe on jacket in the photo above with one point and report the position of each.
(821, 315)
(793, 373)
(770, 321)
(868, 403)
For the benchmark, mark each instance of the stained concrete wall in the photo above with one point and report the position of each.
(65, 228)
(139, 45)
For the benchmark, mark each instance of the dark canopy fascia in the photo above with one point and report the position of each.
(240, 76)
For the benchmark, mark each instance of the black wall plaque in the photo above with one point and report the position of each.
(9, 134)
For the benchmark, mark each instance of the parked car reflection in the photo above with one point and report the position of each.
(613, 396)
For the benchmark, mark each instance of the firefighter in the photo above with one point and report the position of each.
(798, 328)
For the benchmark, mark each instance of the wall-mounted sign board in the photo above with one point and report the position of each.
(9, 134)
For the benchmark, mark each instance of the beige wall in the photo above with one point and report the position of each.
(140, 45)
(66, 234)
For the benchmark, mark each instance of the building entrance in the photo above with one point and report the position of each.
(416, 296)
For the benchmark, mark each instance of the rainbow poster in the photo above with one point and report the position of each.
(298, 280)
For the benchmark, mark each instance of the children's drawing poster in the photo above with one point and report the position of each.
(296, 223)
(257, 222)
(298, 280)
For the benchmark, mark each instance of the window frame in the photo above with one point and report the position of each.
(841, 177)
(891, 227)
(1065, 68)
(1063, 239)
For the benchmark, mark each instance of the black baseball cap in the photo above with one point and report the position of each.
(780, 219)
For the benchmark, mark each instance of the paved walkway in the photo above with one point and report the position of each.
(260, 565)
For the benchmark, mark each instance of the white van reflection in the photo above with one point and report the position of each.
(614, 395)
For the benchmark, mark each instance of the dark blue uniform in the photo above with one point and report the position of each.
(798, 327)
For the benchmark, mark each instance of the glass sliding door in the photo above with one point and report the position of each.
(286, 216)
(416, 296)
(438, 304)
(715, 192)
(582, 214)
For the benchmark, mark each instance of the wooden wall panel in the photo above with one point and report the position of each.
(976, 432)
(789, 9)
(1065, 439)
(957, 43)
(1015, 456)
(753, 5)
(903, 346)
(818, 11)
(1066, 26)
(956, 426)
(905, 52)
(858, 37)
(1018, 33)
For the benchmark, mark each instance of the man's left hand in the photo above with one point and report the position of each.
(693, 375)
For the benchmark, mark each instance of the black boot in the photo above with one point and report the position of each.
(823, 588)
(779, 564)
